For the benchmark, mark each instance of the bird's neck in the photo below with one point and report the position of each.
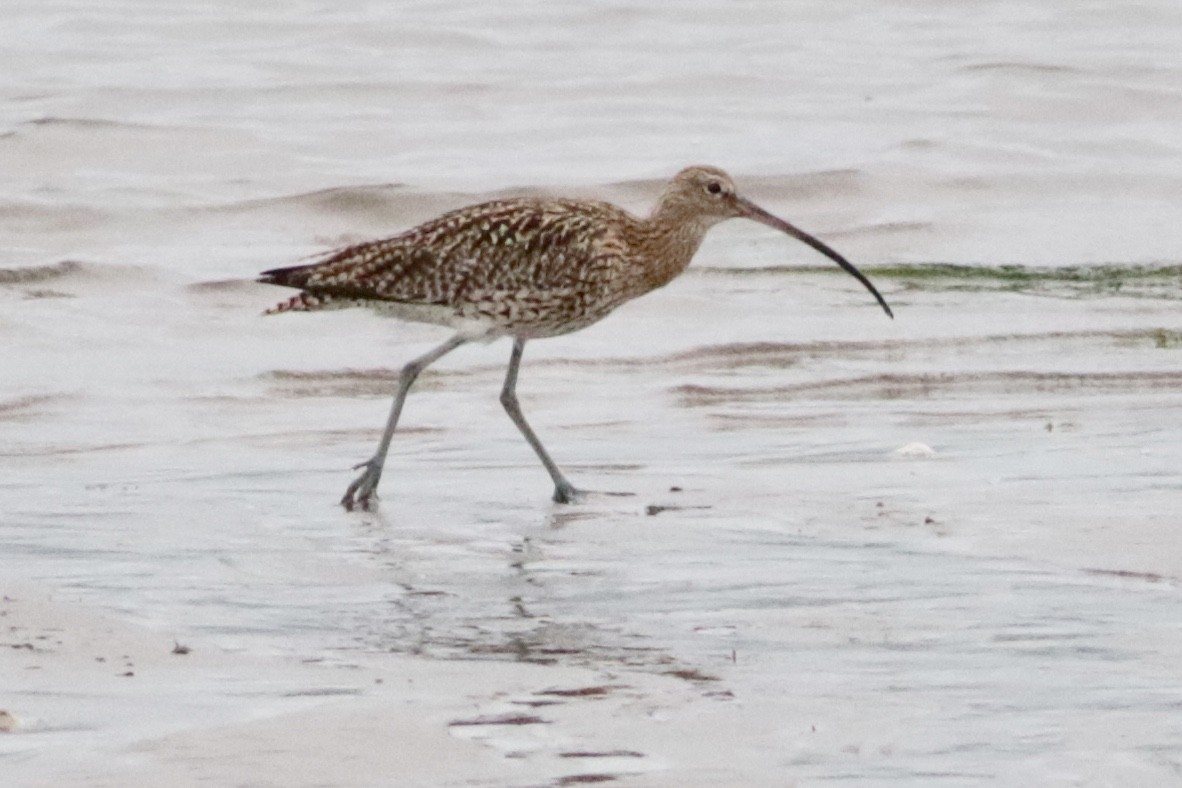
(671, 237)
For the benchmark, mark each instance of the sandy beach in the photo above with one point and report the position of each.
(938, 550)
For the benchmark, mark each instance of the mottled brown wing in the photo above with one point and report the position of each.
(502, 246)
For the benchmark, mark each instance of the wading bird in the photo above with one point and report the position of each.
(524, 268)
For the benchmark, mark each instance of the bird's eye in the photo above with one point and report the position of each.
(714, 187)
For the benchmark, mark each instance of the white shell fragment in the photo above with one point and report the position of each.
(915, 450)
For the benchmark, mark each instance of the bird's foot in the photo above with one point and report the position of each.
(565, 492)
(363, 492)
(568, 494)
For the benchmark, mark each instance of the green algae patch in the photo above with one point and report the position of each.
(1166, 339)
(1145, 281)
(1107, 279)
(1106, 274)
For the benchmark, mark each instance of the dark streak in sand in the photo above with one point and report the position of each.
(691, 674)
(503, 719)
(584, 692)
(1128, 574)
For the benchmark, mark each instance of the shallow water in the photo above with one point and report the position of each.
(996, 610)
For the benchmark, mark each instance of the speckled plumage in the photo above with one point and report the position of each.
(526, 268)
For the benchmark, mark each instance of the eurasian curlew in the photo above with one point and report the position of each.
(524, 268)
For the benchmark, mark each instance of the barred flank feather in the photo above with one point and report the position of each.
(302, 302)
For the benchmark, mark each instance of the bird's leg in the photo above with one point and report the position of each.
(363, 490)
(564, 491)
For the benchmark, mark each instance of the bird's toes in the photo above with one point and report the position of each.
(566, 493)
(362, 493)
(362, 500)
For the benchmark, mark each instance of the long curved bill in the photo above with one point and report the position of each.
(753, 211)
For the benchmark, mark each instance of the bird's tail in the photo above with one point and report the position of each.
(293, 276)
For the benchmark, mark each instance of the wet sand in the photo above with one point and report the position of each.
(790, 568)
(855, 551)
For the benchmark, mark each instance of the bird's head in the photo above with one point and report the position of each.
(701, 196)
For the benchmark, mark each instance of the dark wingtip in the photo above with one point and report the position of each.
(286, 277)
